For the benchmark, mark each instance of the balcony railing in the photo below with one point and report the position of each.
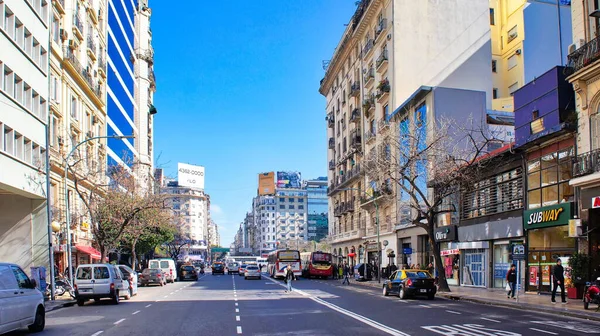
(585, 55)
(369, 103)
(382, 89)
(383, 124)
(330, 120)
(380, 28)
(368, 47)
(331, 143)
(355, 89)
(102, 63)
(343, 236)
(369, 76)
(383, 58)
(384, 191)
(370, 135)
(332, 165)
(344, 179)
(355, 115)
(78, 23)
(586, 163)
(355, 139)
(92, 47)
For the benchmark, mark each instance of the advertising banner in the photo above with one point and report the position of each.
(266, 183)
(289, 180)
(190, 176)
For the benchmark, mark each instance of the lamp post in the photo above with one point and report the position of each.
(67, 212)
(378, 238)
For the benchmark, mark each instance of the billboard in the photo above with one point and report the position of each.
(190, 176)
(289, 180)
(266, 183)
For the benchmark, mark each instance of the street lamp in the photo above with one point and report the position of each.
(378, 238)
(67, 213)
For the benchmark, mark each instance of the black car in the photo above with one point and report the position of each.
(218, 267)
(405, 283)
(188, 272)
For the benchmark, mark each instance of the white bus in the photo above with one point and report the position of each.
(278, 261)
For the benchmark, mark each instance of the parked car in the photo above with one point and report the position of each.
(405, 283)
(21, 304)
(167, 265)
(252, 271)
(153, 276)
(188, 272)
(132, 277)
(242, 270)
(233, 267)
(97, 281)
(218, 267)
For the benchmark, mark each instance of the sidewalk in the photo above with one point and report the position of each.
(60, 302)
(527, 301)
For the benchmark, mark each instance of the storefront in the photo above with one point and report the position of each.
(445, 236)
(86, 255)
(590, 216)
(474, 263)
(412, 248)
(547, 240)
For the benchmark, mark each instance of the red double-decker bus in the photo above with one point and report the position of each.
(316, 264)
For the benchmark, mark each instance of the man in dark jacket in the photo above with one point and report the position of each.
(511, 278)
(289, 277)
(559, 280)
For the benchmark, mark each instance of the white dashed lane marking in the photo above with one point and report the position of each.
(239, 329)
(544, 331)
(148, 305)
(489, 319)
(97, 333)
(135, 312)
(119, 321)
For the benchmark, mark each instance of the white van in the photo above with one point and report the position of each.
(97, 281)
(21, 304)
(167, 266)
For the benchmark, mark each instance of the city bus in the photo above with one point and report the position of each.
(278, 260)
(316, 264)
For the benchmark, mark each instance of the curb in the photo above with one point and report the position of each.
(524, 306)
(56, 306)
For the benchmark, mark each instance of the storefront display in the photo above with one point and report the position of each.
(474, 267)
(451, 260)
(502, 263)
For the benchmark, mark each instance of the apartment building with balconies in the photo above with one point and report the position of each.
(584, 74)
(385, 59)
(291, 219)
(23, 123)
(265, 227)
(77, 114)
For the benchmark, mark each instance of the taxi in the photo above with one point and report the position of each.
(410, 282)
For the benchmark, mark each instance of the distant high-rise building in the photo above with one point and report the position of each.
(317, 208)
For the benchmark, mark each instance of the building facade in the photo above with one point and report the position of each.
(317, 202)
(214, 238)
(23, 125)
(291, 217)
(265, 213)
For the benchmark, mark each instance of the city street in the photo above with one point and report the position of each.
(230, 305)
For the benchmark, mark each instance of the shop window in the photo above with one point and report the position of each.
(548, 179)
(595, 130)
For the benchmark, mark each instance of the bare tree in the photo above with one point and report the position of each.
(428, 162)
(175, 246)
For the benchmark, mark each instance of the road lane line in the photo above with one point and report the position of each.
(97, 333)
(453, 312)
(236, 304)
(402, 301)
(171, 293)
(237, 318)
(239, 329)
(544, 331)
(235, 299)
(237, 310)
(489, 319)
(424, 306)
(119, 321)
(149, 305)
(135, 312)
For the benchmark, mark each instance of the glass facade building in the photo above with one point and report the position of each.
(318, 225)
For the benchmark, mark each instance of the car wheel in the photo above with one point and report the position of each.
(402, 293)
(116, 298)
(80, 302)
(245, 278)
(128, 295)
(385, 291)
(40, 320)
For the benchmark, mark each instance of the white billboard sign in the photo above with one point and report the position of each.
(190, 176)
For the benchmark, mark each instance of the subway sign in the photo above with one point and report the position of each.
(553, 215)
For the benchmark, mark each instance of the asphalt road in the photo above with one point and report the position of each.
(230, 305)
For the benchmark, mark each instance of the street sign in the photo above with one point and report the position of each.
(407, 250)
(518, 251)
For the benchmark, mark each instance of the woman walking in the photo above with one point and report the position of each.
(289, 276)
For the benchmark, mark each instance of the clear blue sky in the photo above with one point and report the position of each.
(237, 92)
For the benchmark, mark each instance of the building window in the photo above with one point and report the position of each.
(281, 199)
(292, 200)
(595, 130)
(281, 206)
(548, 179)
(512, 34)
(512, 62)
(291, 206)
(494, 66)
(499, 193)
(514, 87)
(492, 18)
(495, 93)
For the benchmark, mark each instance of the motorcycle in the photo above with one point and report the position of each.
(591, 294)
(61, 286)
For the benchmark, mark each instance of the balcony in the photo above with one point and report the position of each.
(147, 55)
(381, 60)
(383, 90)
(355, 89)
(152, 79)
(330, 120)
(350, 235)
(78, 27)
(343, 180)
(91, 48)
(383, 125)
(355, 139)
(369, 104)
(368, 47)
(59, 5)
(355, 115)
(586, 163)
(584, 55)
(370, 136)
(369, 76)
(338, 210)
(332, 165)
(84, 73)
(381, 26)
(349, 206)
(331, 143)
(102, 66)
(377, 195)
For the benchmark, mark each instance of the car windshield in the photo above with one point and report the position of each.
(418, 275)
(188, 268)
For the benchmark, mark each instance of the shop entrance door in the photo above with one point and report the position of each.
(539, 269)
(474, 268)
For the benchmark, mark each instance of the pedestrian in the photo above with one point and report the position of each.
(418, 266)
(412, 266)
(346, 275)
(289, 277)
(393, 268)
(340, 271)
(511, 279)
(559, 280)
(430, 269)
(335, 271)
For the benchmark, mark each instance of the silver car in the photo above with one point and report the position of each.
(252, 271)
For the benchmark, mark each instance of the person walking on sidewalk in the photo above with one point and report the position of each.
(559, 280)
(289, 276)
(346, 275)
(340, 271)
(511, 278)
